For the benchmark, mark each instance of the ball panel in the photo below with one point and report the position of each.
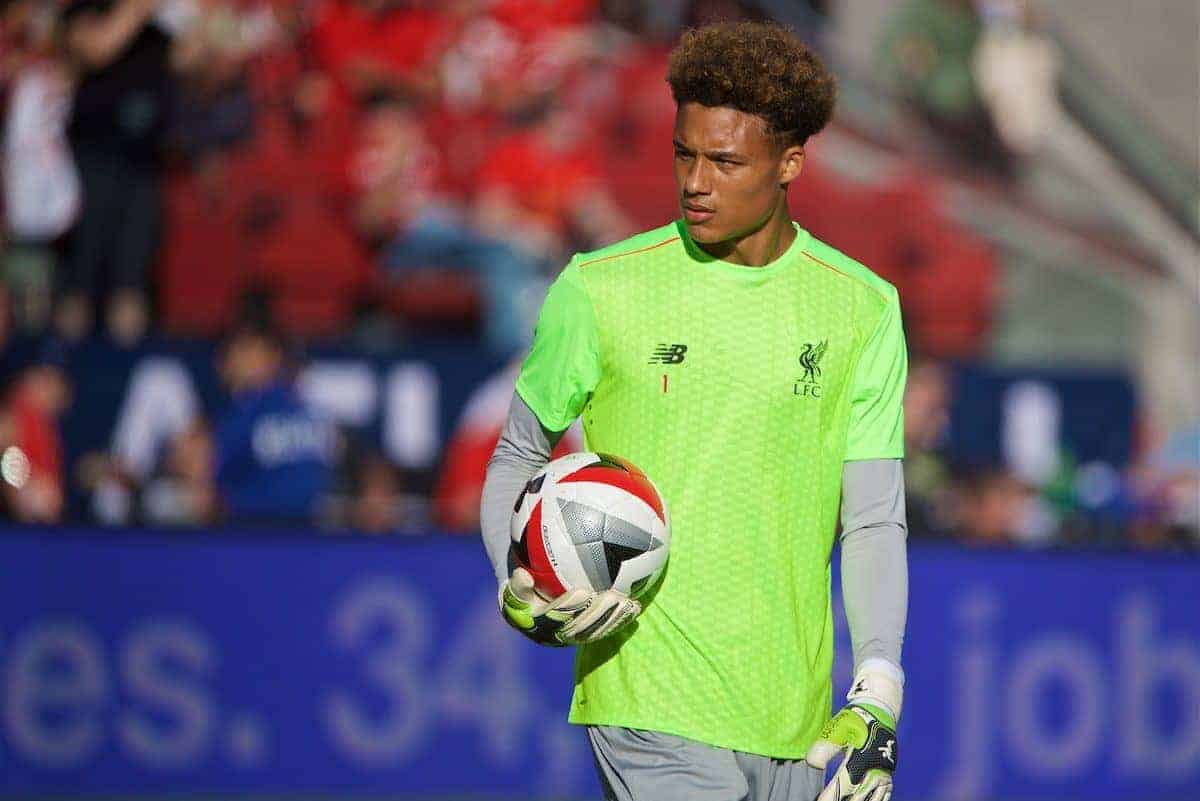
(616, 555)
(532, 487)
(634, 483)
(648, 566)
(603, 541)
(545, 577)
(616, 462)
(565, 465)
(520, 520)
(584, 522)
(595, 564)
(666, 512)
(519, 551)
(560, 546)
(622, 533)
(613, 501)
(527, 500)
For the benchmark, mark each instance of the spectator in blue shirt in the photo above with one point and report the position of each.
(274, 456)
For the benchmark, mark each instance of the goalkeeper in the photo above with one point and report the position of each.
(756, 374)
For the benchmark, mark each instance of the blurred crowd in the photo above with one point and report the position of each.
(1040, 495)
(980, 72)
(268, 174)
(319, 152)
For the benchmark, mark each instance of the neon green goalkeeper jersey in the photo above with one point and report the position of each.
(740, 391)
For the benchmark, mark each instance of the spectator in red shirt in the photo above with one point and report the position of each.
(540, 44)
(404, 201)
(541, 187)
(290, 192)
(31, 451)
(374, 47)
(507, 57)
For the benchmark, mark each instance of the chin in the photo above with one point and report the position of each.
(704, 233)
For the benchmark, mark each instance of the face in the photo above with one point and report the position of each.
(393, 130)
(730, 173)
(50, 389)
(251, 362)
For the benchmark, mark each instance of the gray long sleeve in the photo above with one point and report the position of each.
(874, 558)
(523, 449)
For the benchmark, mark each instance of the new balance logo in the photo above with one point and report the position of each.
(889, 752)
(668, 354)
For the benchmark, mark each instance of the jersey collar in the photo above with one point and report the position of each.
(742, 271)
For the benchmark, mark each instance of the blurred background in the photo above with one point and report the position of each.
(269, 268)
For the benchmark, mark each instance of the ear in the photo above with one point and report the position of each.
(790, 164)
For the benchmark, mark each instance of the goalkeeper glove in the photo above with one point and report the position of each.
(575, 617)
(864, 733)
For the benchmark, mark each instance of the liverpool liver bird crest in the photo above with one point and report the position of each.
(810, 360)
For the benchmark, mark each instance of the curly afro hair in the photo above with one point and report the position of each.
(759, 68)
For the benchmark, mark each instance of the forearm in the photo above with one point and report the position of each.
(874, 559)
(523, 449)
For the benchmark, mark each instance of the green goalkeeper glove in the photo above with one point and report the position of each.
(864, 733)
(575, 617)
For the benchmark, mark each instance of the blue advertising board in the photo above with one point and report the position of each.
(150, 663)
(1089, 414)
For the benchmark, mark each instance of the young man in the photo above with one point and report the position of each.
(757, 375)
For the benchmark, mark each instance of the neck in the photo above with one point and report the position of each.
(760, 246)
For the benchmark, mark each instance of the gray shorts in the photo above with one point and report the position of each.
(637, 765)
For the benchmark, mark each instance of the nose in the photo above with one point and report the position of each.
(696, 182)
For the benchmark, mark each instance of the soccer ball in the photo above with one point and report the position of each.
(592, 521)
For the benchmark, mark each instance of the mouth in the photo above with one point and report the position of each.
(697, 214)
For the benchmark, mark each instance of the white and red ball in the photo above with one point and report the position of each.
(593, 521)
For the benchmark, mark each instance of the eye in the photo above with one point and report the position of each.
(682, 154)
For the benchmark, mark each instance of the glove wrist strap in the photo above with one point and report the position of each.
(879, 683)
